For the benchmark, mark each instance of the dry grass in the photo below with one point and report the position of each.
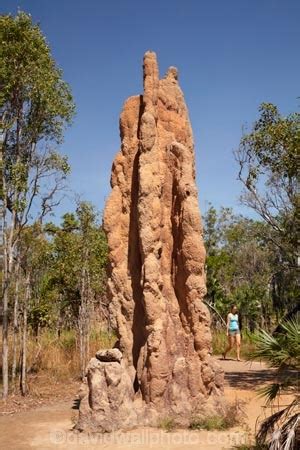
(231, 416)
(53, 369)
(220, 340)
(53, 362)
(59, 357)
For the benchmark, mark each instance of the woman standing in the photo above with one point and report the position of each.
(233, 332)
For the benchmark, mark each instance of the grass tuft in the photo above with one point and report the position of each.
(232, 416)
(167, 423)
(208, 423)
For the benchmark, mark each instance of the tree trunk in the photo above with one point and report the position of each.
(5, 329)
(23, 385)
(84, 320)
(81, 322)
(88, 318)
(8, 251)
(5, 281)
(15, 322)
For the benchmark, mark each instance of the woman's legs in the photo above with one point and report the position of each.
(238, 345)
(229, 346)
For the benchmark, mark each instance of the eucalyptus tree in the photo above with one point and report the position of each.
(78, 271)
(268, 169)
(238, 265)
(35, 107)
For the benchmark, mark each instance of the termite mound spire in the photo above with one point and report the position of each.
(156, 282)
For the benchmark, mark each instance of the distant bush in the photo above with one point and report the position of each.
(167, 423)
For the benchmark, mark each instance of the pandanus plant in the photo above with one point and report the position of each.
(281, 351)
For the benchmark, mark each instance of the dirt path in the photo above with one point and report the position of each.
(50, 427)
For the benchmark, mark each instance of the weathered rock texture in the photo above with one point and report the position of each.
(106, 396)
(156, 252)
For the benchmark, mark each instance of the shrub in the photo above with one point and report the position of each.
(282, 352)
(167, 423)
(232, 415)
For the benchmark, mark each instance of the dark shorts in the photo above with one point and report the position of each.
(234, 332)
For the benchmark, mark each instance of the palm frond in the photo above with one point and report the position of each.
(270, 392)
(280, 431)
(292, 327)
(280, 350)
(275, 443)
(266, 346)
(289, 432)
(283, 421)
(267, 426)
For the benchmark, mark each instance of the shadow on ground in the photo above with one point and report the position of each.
(252, 375)
(248, 379)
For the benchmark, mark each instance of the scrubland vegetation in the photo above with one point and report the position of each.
(54, 309)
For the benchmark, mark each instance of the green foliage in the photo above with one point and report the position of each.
(232, 416)
(238, 265)
(167, 423)
(31, 83)
(56, 162)
(36, 105)
(67, 340)
(273, 144)
(55, 256)
(79, 240)
(281, 351)
(209, 423)
(268, 161)
(242, 267)
(104, 338)
(40, 315)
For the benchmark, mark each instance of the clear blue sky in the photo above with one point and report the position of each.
(231, 55)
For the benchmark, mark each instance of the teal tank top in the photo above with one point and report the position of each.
(233, 322)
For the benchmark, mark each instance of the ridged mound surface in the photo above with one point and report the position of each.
(156, 252)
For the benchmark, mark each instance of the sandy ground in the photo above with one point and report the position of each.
(50, 426)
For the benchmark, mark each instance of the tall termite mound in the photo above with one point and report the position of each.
(156, 279)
